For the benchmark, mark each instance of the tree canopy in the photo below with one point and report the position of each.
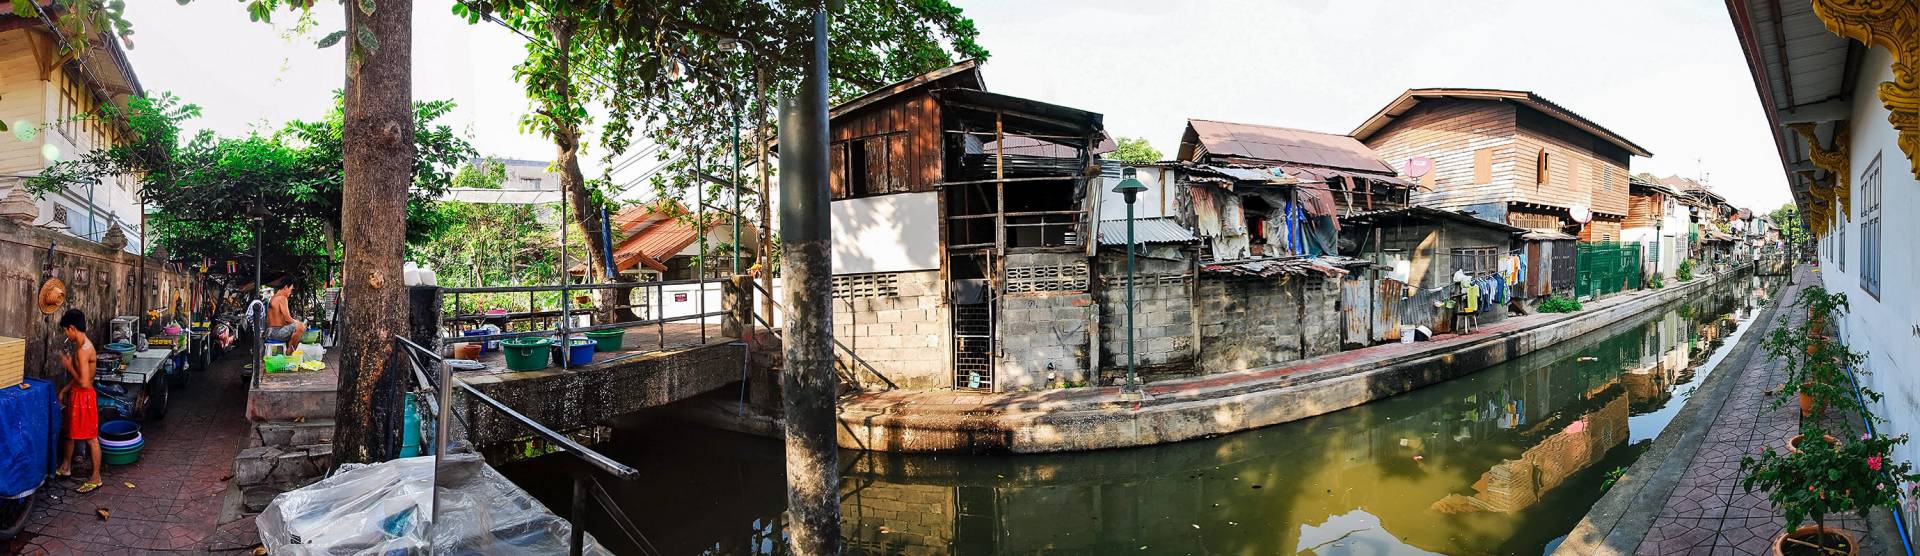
(203, 191)
(660, 71)
(1787, 218)
(1134, 149)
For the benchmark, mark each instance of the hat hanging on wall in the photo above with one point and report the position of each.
(53, 293)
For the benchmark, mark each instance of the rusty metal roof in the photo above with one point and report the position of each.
(1159, 229)
(1279, 144)
(1407, 100)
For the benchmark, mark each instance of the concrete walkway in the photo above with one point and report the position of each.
(178, 498)
(1182, 409)
(1683, 496)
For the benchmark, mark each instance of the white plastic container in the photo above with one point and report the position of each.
(410, 275)
(427, 277)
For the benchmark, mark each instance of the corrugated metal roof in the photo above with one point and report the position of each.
(1280, 144)
(1158, 229)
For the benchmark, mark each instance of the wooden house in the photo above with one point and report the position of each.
(961, 223)
(45, 95)
(1507, 156)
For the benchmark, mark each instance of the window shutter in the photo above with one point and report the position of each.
(1541, 167)
(837, 173)
(1483, 166)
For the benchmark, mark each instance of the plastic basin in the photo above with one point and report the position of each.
(119, 430)
(607, 340)
(278, 363)
(123, 445)
(526, 354)
(110, 457)
(580, 351)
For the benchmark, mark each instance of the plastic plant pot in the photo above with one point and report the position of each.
(608, 340)
(526, 354)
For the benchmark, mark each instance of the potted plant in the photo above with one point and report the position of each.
(1816, 364)
(1822, 479)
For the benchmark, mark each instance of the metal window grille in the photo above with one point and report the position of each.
(1474, 261)
(973, 347)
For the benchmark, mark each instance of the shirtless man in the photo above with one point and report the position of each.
(280, 323)
(83, 411)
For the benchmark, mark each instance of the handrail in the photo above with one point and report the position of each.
(605, 326)
(569, 287)
(836, 341)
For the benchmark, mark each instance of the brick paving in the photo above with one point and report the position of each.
(1707, 512)
(179, 499)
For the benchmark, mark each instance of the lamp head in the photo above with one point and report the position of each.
(1129, 186)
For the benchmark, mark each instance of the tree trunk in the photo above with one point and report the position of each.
(586, 212)
(813, 460)
(377, 150)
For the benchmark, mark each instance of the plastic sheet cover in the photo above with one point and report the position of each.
(26, 430)
(384, 508)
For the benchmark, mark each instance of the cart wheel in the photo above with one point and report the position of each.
(13, 515)
(157, 396)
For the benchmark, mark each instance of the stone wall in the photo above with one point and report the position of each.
(1163, 329)
(1046, 322)
(898, 322)
(100, 282)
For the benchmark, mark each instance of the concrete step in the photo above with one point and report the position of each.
(291, 467)
(282, 434)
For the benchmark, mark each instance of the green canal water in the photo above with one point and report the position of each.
(1503, 461)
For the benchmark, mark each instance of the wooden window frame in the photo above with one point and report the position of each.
(1870, 246)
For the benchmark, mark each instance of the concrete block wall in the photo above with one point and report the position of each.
(1322, 319)
(1247, 323)
(1163, 316)
(900, 327)
(1046, 322)
(1044, 340)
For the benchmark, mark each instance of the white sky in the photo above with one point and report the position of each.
(1667, 74)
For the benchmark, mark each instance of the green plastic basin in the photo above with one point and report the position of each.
(526, 354)
(607, 340)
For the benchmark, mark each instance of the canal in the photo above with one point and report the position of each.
(1503, 461)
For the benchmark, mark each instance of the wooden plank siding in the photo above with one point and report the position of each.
(22, 99)
(1583, 169)
(1453, 133)
(1644, 211)
(901, 138)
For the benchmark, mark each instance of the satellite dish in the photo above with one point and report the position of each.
(1580, 213)
(1419, 166)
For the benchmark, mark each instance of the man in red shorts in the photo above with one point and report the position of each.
(83, 411)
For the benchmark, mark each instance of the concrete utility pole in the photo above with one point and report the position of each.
(813, 466)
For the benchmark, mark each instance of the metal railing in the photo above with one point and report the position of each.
(837, 344)
(563, 327)
(586, 486)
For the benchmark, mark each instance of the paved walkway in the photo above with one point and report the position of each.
(1683, 496)
(177, 499)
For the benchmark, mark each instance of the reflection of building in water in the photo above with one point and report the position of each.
(898, 518)
(1515, 484)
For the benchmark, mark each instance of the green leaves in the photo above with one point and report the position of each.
(367, 7)
(366, 40)
(332, 38)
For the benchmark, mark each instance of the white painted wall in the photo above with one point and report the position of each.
(1670, 237)
(888, 233)
(1883, 328)
(1157, 200)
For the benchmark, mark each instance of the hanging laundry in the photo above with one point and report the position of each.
(1473, 298)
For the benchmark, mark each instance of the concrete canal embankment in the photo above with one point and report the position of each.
(1183, 409)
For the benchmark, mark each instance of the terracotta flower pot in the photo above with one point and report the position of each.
(1793, 444)
(1805, 534)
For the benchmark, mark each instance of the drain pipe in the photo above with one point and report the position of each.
(1905, 542)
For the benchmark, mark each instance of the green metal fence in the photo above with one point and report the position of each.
(1605, 269)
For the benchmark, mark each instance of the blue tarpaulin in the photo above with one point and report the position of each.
(26, 430)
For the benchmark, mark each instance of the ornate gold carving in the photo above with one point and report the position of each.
(1835, 161)
(1895, 25)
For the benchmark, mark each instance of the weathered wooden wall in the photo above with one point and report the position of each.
(1454, 133)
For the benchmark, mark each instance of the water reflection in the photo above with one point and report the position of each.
(1500, 462)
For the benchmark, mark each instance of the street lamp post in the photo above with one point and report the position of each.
(1130, 189)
